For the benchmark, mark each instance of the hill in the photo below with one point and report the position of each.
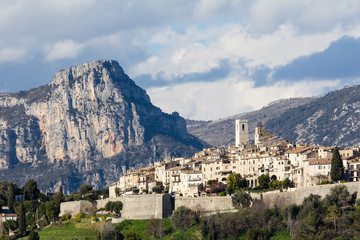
(83, 126)
(330, 120)
(222, 132)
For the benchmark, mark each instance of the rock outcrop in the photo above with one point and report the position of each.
(86, 114)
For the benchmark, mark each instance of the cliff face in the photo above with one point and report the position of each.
(86, 113)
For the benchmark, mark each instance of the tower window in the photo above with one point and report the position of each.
(243, 127)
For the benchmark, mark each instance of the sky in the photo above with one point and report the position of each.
(206, 59)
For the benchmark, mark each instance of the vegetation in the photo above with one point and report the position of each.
(337, 167)
(235, 182)
(158, 189)
(241, 199)
(183, 218)
(114, 206)
(38, 211)
(264, 181)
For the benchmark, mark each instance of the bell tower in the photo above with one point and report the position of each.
(241, 132)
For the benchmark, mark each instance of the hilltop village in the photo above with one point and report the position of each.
(302, 165)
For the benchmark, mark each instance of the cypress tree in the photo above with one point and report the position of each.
(59, 196)
(337, 167)
(22, 220)
(11, 196)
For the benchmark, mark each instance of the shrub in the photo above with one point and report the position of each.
(241, 199)
(222, 194)
(65, 217)
(158, 189)
(183, 218)
(94, 219)
(80, 215)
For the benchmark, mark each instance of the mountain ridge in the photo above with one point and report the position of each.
(86, 114)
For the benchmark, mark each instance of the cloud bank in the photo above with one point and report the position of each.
(205, 59)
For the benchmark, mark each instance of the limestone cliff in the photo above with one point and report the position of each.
(86, 114)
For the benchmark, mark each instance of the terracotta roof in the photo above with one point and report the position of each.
(191, 172)
(320, 161)
(297, 150)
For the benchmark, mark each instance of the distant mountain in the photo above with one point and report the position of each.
(83, 126)
(333, 119)
(222, 132)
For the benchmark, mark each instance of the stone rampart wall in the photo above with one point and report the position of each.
(134, 207)
(206, 205)
(161, 206)
(74, 207)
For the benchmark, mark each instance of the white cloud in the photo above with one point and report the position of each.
(200, 50)
(64, 49)
(227, 97)
(12, 54)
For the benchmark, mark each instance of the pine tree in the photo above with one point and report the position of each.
(11, 196)
(22, 220)
(337, 167)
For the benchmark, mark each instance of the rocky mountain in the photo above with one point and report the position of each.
(222, 132)
(333, 119)
(83, 126)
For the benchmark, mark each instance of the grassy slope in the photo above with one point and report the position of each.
(85, 230)
(69, 230)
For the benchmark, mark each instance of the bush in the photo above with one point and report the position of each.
(77, 219)
(183, 218)
(222, 194)
(257, 233)
(114, 206)
(132, 236)
(241, 199)
(94, 219)
(158, 189)
(80, 215)
(65, 217)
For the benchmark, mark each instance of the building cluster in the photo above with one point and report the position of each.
(304, 165)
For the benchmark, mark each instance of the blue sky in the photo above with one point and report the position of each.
(206, 59)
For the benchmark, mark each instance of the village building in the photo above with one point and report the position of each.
(304, 165)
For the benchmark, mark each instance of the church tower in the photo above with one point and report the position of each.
(241, 132)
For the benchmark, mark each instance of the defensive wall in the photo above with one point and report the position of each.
(134, 207)
(161, 206)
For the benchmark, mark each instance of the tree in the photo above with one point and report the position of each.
(241, 199)
(183, 218)
(337, 167)
(52, 210)
(338, 196)
(117, 192)
(264, 181)
(155, 229)
(22, 220)
(10, 196)
(85, 188)
(34, 235)
(31, 192)
(59, 196)
(311, 213)
(158, 189)
(235, 182)
(114, 206)
(10, 225)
